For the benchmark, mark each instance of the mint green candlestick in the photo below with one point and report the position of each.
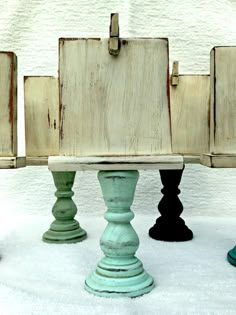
(65, 229)
(232, 256)
(119, 273)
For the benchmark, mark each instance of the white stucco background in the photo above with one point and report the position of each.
(31, 29)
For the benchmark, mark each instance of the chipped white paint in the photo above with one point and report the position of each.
(41, 116)
(223, 100)
(8, 104)
(71, 163)
(190, 114)
(114, 105)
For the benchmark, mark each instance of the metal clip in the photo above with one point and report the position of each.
(175, 73)
(114, 42)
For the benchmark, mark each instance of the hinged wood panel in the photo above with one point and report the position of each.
(114, 105)
(41, 116)
(8, 104)
(223, 100)
(189, 102)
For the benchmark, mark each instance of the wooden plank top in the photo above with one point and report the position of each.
(12, 162)
(218, 160)
(8, 104)
(114, 105)
(71, 163)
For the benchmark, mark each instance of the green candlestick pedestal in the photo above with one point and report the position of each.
(65, 229)
(119, 273)
(232, 256)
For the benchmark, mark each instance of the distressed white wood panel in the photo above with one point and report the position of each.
(114, 105)
(223, 100)
(72, 163)
(189, 103)
(41, 116)
(8, 104)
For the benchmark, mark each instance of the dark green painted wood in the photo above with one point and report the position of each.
(232, 256)
(65, 229)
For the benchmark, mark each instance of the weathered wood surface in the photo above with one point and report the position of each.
(8, 104)
(37, 160)
(191, 159)
(114, 105)
(219, 161)
(189, 102)
(71, 163)
(12, 162)
(223, 100)
(41, 116)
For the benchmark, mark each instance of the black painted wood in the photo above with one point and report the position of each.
(169, 226)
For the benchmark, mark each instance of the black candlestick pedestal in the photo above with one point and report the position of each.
(169, 226)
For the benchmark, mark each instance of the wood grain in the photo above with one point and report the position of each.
(72, 163)
(223, 100)
(41, 116)
(190, 114)
(8, 104)
(114, 105)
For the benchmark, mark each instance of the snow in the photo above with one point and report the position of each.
(191, 277)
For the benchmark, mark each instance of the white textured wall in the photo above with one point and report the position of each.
(31, 29)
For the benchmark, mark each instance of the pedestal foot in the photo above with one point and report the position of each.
(65, 229)
(119, 273)
(232, 256)
(170, 227)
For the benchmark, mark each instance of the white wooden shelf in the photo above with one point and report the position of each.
(71, 163)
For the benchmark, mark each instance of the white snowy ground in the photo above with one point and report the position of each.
(38, 278)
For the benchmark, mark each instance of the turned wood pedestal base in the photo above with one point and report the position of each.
(232, 256)
(65, 229)
(170, 227)
(119, 273)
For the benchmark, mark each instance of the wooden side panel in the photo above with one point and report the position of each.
(41, 116)
(189, 102)
(114, 105)
(8, 104)
(223, 100)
